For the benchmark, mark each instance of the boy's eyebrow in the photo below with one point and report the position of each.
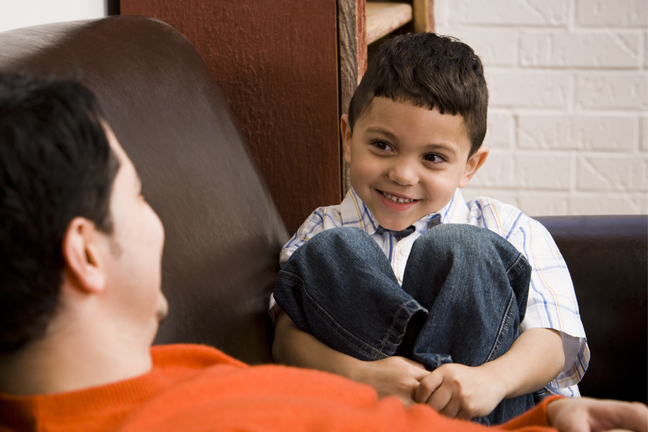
(392, 137)
(447, 147)
(382, 131)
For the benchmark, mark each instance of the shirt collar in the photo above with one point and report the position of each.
(456, 211)
(355, 213)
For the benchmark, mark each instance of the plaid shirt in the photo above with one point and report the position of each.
(552, 301)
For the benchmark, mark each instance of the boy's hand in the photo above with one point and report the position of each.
(393, 376)
(459, 391)
(593, 415)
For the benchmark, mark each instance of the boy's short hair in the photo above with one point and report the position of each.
(431, 71)
(55, 164)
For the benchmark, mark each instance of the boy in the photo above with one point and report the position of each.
(413, 137)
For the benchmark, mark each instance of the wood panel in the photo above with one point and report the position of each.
(352, 34)
(423, 15)
(361, 23)
(277, 67)
(385, 17)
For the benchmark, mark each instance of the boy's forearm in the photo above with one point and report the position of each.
(533, 361)
(390, 376)
(295, 347)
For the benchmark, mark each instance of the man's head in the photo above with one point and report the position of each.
(71, 214)
(415, 127)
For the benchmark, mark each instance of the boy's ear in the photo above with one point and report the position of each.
(474, 163)
(345, 131)
(84, 266)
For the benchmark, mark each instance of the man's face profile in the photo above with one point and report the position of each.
(133, 252)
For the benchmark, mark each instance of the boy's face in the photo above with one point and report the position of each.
(407, 161)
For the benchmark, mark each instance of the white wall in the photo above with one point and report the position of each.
(25, 13)
(568, 120)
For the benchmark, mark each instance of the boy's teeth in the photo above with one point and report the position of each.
(398, 200)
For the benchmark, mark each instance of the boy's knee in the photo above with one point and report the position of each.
(335, 246)
(457, 236)
(342, 237)
(470, 241)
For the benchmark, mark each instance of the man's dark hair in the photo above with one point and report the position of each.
(55, 164)
(429, 71)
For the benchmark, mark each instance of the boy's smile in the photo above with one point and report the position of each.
(407, 161)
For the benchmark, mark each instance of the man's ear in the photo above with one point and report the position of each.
(81, 252)
(345, 131)
(474, 163)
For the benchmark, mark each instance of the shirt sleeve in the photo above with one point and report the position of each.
(312, 225)
(315, 223)
(552, 301)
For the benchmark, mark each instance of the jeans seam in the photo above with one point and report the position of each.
(519, 262)
(504, 324)
(390, 333)
(296, 282)
(327, 319)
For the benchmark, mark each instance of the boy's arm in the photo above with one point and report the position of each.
(395, 376)
(534, 359)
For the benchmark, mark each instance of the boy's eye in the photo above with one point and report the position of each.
(381, 145)
(435, 158)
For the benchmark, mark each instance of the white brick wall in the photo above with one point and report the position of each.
(568, 114)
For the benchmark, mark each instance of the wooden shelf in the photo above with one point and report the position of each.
(383, 18)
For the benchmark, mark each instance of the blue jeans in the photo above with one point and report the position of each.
(463, 297)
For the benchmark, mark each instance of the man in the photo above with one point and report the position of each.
(80, 302)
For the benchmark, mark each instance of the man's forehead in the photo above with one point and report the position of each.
(114, 142)
(120, 153)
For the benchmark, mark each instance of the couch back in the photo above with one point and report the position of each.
(223, 232)
(607, 257)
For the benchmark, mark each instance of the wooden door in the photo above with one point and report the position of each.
(276, 63)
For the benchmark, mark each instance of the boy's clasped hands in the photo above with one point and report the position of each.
(453, 390)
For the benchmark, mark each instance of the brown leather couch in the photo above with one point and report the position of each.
(223, 232)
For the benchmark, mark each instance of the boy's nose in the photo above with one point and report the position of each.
(403, 173)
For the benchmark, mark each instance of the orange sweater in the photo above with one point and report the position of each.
(192, 388)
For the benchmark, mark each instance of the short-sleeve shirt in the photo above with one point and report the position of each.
(552, 301)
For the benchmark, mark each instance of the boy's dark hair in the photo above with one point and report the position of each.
(429, 71)
(55, 164)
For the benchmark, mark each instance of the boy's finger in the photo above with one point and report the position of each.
(427, 386)
(452, 408)
(628, 416)
(440, 399)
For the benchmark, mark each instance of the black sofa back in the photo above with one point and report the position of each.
(223, 232)
(607, 259)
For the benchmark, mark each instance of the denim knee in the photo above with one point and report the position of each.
(331, 239)
(473, 243)
(340, 287)
(469, 257)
